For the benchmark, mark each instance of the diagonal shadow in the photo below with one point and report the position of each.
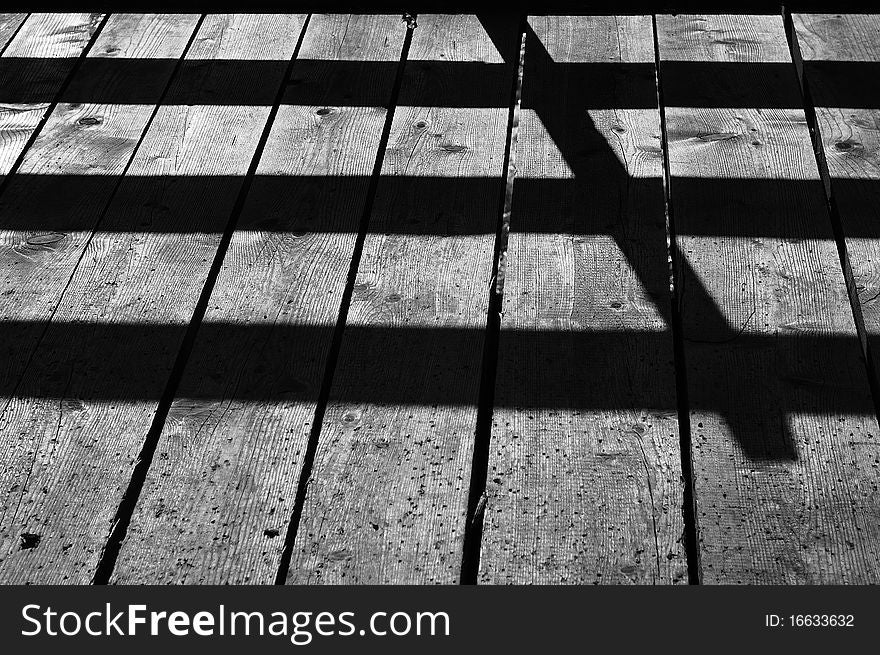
(718, 381)
(724, 385)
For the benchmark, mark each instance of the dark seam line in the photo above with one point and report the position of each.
(689, 508)
(101, 217)
(51, 108)
(473, 534)
(339, 328)
(833, 209)
(129, 500)
(14, 34)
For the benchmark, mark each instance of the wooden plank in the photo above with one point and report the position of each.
(67, 457)
(841, 59)
(387, 498)
(9, 24)
(40, 57)
(220, 493)
(584, 477)
(781, 416)
(68, 176)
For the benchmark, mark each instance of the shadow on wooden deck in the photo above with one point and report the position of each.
(722, 380)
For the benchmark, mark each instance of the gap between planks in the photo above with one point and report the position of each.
(122, 520)
(59, 558)
(471, 549)
(419, 521)
(833, 208)
(689, 508)
(71, 138)
(780, 457)
(345, 303)
(35, 131)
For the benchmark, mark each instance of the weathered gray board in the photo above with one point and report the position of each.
(38, 59)
(388, 494)
(584, 481)
(67, 178)
(72, 432)
(219, 495)
(783, 426)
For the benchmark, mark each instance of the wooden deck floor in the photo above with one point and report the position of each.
(496, 299)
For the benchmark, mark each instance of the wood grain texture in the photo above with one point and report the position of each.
(67, 457)
(387, 498)
(219, 496)
(841, 59)
(783, 429)
(584, 480)
(9, 24)
(68, 176)
(39, 58)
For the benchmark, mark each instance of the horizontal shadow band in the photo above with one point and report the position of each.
(591, 204)
(108, 80)
(552, 369)
(856, 84)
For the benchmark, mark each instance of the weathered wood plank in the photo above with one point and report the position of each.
(782, 421)
(388, 493)
(219, 495)
(41, 56)
(9, 24)
(67, 458)
(578, 491)
(841, 62)
(68, 175)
